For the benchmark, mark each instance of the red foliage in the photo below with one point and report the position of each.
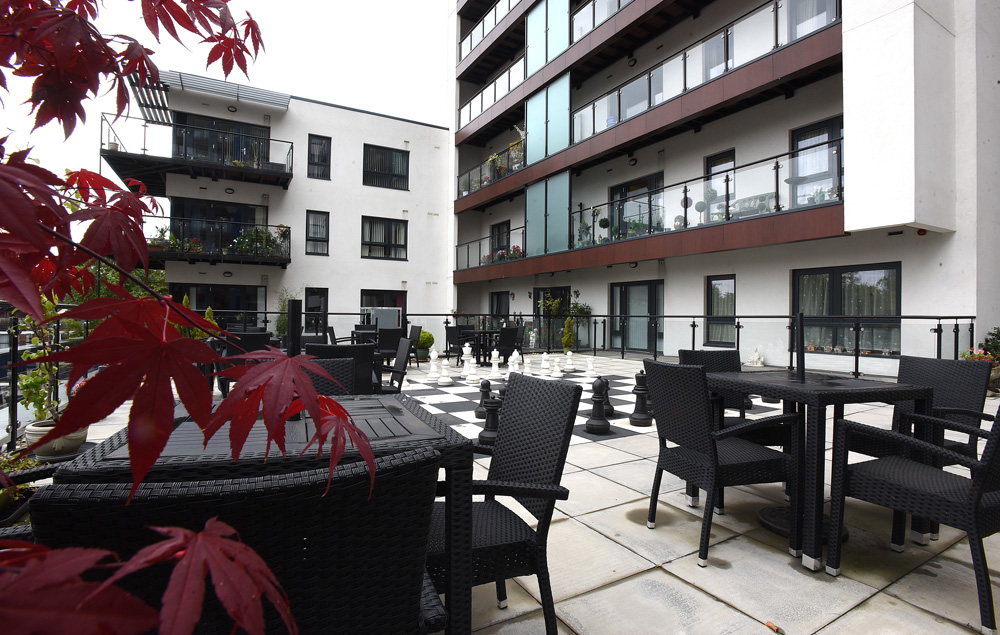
(142, 354)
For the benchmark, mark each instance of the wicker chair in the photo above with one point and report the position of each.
(959, 393)
(349, 564)
(388, 342)
(364, 362)
(713, 459)
(726, 361)
(507, 342)
(455, 338)
(414, 341)
(906, 486)
(536, 423)
(397, 371)
(342, 370)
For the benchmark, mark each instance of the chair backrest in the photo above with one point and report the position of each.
(721, 361)
(246, 342)
(415, 334)
(519, 340)
(366, 332)
(349, 564)
(988, 479)
(331, 334)
(536, 423)
(342, 370)
(399, 365)
(957, 383)
(507, 337)
(679, 397)
(388, 339)
(364, 361)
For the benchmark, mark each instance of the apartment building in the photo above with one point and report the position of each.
(731, 157)
(271, 195)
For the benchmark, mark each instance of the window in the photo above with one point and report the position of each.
(500, 240)
(721, 180)
(499, 308)
(385, 167)
(319, 157)
(318, 233)
(314, 311)
(810, 15)
(817, 168)
(720, 308)
(841, 292)
(383, 238)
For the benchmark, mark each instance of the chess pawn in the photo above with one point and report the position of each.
(527, 366)
(445, 378)
(495, 364)
(598, 422)
(545, 368)
(555, 369)
(434, 373)
(568, 366)
(472, 375)
(590, 368)
(484, 394)
(466, 352)
(514, 361)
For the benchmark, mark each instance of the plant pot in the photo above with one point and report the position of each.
(113, 146)
(423, 354)
(62, 446)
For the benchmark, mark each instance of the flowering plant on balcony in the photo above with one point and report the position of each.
(980, 355)
(515, 252)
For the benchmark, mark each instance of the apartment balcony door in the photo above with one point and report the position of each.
(214, 140)
(551, 306)
(633, 205)
(632, 306)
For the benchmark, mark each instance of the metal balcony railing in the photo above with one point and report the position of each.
(500, 165)
(221, 238)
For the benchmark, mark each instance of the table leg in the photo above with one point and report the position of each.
(921, 529)
(812, 530)
(458, 545)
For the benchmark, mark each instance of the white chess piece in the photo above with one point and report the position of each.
(555, 369)
(545, 368)
(527, 366)
(514, 361)
(590, 368)
(495, 364)
(466, 359)
(445, 379)
(434, 373)
(568, 366)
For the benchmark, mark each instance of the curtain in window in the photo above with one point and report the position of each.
(872, 292)
(319, 157)
(383, 238)
(722, 303)
(814, 299)
(385, 167)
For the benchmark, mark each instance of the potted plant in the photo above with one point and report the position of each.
(424, 343)
(13, 500)
(161, 241)
(711, 194)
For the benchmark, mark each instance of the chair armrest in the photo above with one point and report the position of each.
(433, 616)
(945, 412)
(906, 440)
(482, 449)
(754, 424)
(33, 473)
(17, 532)
(948, 424)
(512, 488)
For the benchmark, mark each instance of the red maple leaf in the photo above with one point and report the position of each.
(335, 419)
(239, 577)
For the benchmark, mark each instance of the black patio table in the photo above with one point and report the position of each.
(393, 423)
(816, 393)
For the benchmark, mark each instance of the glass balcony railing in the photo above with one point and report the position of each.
(593, 14)
(195, 237)
(233, 148)
(491, 250)
(483, 28)
(508, 80)
(801, 179)
(498, 166)
(755, 34)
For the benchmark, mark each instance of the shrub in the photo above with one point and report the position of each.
(426, 340)
(567, 338)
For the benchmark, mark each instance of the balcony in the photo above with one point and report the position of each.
(491, 250)
(483, 28)
(216, 241)
(497, 167)
(806, 179)
(148, 151)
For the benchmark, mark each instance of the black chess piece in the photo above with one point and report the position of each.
(641, 416)
(609, 410)
(484, 394)
(489, 434)
(598, 422)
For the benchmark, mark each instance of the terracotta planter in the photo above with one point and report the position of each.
(62, 446)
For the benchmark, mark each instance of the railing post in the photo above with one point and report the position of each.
(972, 333)
(738, 328)
(938, 330)
(15, 370)
(791, 343)
(857, 348)
(694, 325)
(955, 331)
(686, 203)
(777, 185)
(726, 180)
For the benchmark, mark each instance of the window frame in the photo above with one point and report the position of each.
(315, 324)
(310, 239)
(713, 318)
(319, 164)
(834, 128)
(840, 327)
(368, 244)
(389, 180)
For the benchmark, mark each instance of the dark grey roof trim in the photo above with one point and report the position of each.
(154, 102)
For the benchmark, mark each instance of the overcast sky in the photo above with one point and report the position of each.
(394, 57)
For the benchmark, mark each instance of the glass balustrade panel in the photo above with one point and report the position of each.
(475, 106)
(466, 47)
(502, 85)
(583, 124)
(635, 217)
(752, 36)
(464, 115)
(806, 16)
(675, 202)
(583, 22)
(475, 180)
(635, 97)
(489, 21)
(656, 212)
(463, 185)
(605, 112)
(603, 226)
(516, 73)
(580, 229)
(667, 80)
(488, 95)
(603, 9)
(752, 191)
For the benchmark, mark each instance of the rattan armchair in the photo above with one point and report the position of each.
(713, 459)
(349, 563)
(908, 486)
(237, 345)
(536, 423)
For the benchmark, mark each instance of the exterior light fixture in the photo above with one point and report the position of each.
(231, 109)
(631, 62)
(227, 274)
(230, 190)
(633, 265)
(633, 161)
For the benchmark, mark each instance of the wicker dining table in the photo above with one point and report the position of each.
(393, 423)
(816, 392)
